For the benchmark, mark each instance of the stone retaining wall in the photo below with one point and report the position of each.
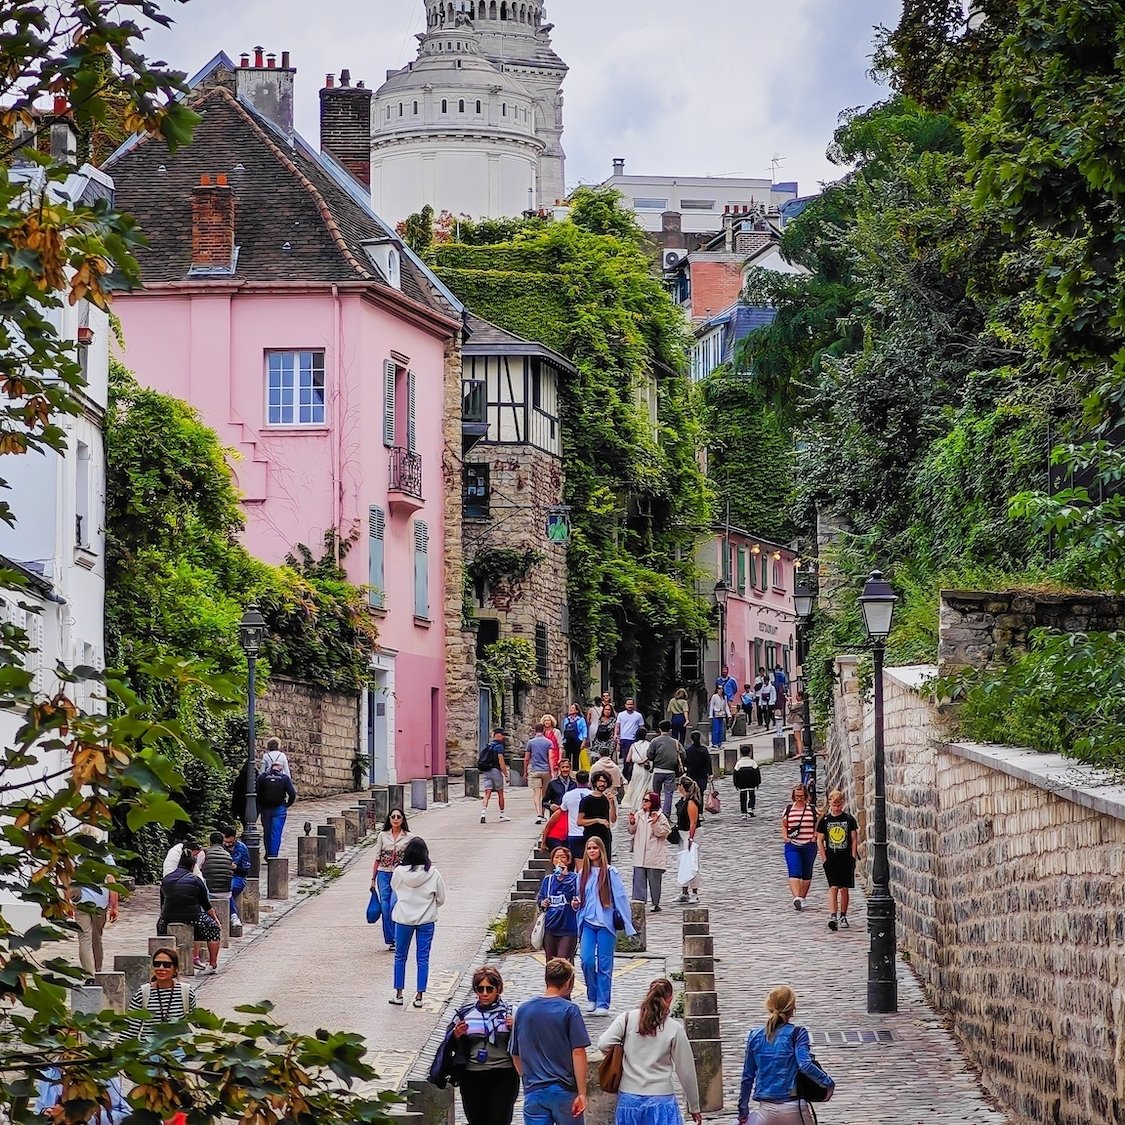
(319, 731)
(1006, 866)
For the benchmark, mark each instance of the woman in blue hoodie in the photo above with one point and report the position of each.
(603, 908)
(556, 897)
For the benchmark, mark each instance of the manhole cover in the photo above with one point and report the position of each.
(849, 1037)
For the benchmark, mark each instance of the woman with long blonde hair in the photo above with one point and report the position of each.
(774, 1054)
(603, 908)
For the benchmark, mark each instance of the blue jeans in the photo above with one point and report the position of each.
(718, 731)
(403, 935)
(550, 1105)
(596, 946)
(386, 905)
(237, 886)
(273, 823)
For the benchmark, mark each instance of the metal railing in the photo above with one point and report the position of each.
(406, 472)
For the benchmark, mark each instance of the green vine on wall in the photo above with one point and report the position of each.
(493, 565)
(502, 665)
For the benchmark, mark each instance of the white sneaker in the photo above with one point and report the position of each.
(483, 817)
(591, 1007)
(505, 816)
(235, 920)
(798, 904)
(600, 1012)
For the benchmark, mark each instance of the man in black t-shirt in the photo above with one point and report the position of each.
(597, 813)
(837, 840)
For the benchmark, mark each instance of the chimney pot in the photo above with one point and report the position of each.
(245, 60)
(285, 59)
(258, 55)
(271, 60)
(221, 179)
(60, 107)
(360, 85)
(204, 181)
(345, 77)
(329, 81)
(619, 165)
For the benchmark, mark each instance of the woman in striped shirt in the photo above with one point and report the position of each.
(798, 830)
(166, 998)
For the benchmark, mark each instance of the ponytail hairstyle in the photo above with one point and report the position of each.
(781, 1003)
(655, 1006)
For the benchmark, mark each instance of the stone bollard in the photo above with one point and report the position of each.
(702, 1027)
(249, 902)
(326, 853)
(339, 826)
(699, 945)
(472, 782)
(113, 990)
(137, 970)
(277, 878)
(432, 1105)
(515, 769)
(521, 920)
(638, 944)
(708, 1054)
(361, 819)
(730, 758)
(441, 789)
(381, 803)
(697, 929)
(88, 998)
(306, 856)
(235, 929)
(716, 760)
(396, 794)
(184, 937)
(701, 1004)
(697, 914)
(367, 815)
(419, 793)
(221, 903)
(739, 725)
(351, 826)
(699, 965)
(780, 748)
(699, 982)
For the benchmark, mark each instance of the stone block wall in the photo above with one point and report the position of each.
(977, 627)
(1006, 867)
(319, 731)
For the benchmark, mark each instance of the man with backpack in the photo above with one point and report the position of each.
(493, 774)
(275, 795)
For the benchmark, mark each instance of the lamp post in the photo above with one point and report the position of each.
(722, 593)
(251, 634)
(878, 603)
(803, 602)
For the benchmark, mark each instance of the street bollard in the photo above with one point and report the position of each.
(341, 827)
(730, 758)
(419, 791)
(306, 856)
(472, 782)
(332, 845)
(136, 968)
(183, 934)
(87, 998)
(322, 860)
(221, 903)
(396, 794)
(277, 878)
(113, 990)
(351, 826)
(708, 1054)
(249, 903)
(441, 789)
(367, 816)
(381, 802)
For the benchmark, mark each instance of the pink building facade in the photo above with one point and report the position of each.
(758, 626)
(318, 348)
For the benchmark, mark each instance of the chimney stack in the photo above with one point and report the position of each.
(619, 166)
(212, 225)
(345, 125)
(64, 136)
(268, 88)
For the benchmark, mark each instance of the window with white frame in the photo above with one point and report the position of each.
(295, 388)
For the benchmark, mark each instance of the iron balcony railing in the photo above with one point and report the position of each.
(406, 472)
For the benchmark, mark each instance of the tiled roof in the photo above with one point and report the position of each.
(486, 338)
(294, 218)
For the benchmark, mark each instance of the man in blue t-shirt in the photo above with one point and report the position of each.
(537, 767)
(548, 1048)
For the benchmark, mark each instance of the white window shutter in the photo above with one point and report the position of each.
(411, 427)
(389, 370)
(376, 533)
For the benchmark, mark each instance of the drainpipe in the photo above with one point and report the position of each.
(337, 427)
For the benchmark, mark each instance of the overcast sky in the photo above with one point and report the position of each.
(687, 87)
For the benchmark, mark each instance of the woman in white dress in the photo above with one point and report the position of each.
(640, 780)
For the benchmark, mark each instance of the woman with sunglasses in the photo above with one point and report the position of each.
(166, 998)
(389, 846)
(483, 1066)
(650, 830)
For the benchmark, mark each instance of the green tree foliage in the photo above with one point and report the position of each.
(93, 767)
(585, 287)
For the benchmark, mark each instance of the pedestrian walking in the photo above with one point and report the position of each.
(775, 1053)
(551, 733)
(493, 766)
(557, 892)
(717, 712)
(610, 769)
(677, 713)
(575, 733)
(697, 762)
(798, 830)
(555, 831)
(650, 830)
(276, 795)
(837, 839)
(602, 740)
(654, 1047)
(747, 777)
(548, 1046)
(390, 845)
(628, 723)
(537, 767)
(597, 814)
(796, 716)
(689, 816)
(748, 701)
(571, 805)
(558, 787)
(92, 907)
(240, 870)
(603, 908)
(165, 997)
(274, 753)
(727, 686)
(767, 697)
(666, 755)
(420, 890)
(483, 1066)
(184, 900)
(639, 772)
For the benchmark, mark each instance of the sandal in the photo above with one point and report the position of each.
(417, 1002)
(396, 1000)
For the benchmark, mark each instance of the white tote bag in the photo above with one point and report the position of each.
(539, 930)
(689, 864)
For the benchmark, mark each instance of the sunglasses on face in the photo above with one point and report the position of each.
(163, 965)
(480, 989)
(396, 816)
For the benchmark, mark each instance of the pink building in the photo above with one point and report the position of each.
(758, 625)
(319, 348)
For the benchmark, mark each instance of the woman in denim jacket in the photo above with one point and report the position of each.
(774, 1054)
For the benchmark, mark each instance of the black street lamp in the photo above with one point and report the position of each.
(878, 603)
(251, 634)
(722, 593)
(804, 600)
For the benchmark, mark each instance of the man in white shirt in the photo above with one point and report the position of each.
(629, 722)
(274, 753)
(570, 804)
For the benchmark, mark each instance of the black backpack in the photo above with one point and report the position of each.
(489, 758)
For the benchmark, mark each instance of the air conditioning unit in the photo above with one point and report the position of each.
(670, 259)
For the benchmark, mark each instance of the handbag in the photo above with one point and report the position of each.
(613, 1061)
(374, 908)
(539, 930)
(807, 1089)
(711, 802)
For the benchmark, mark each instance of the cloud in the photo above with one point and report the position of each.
(682, 87)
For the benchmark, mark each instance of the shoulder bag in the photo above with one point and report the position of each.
(711, 802)
(539, 930)
(807, 1089)
(613, 1061)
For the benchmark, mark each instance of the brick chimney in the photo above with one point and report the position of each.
(268, 87)
(345, 125)
(212, 225)
(64, 137)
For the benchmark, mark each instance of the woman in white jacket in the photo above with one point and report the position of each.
(654, 1047)
(420, 890)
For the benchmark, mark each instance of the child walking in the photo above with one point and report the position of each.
(837, 840)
